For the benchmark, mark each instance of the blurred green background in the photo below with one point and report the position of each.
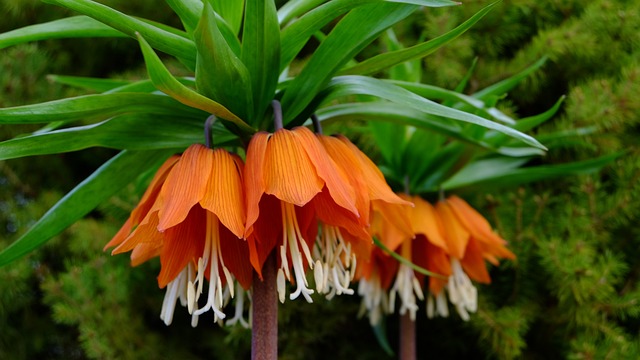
(573, 292)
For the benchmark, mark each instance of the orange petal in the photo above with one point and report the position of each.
(224, 196)
(235, 253)
(349, 165)
(376, 183)
(387, 232)
(455, 234)
(266, 232)
(254, 178)
(425, 220)
(145, 251)
(182, 243)
(145, 204)
(289, 174)
(332, 214)
(433, 258)
(146, 232)
(186, 185)
(396, 216)
(337, 184)
(475, 223)
(473, 263)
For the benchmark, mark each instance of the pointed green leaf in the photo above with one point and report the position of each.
(165, 82)
(89, 83)
(261, 52)
(505, 85)
(386, 60)
(231, 11)
(218, 64)
(188, 11)
(98, 106)
(378, 111)
(71, 27)
(481, 176)
(526, 124)
(352, 85)
(179, 46)
(97, 188)
(437, 93)
(355, 31)
(124, 132)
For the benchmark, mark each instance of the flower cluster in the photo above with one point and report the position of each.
(210, 217)
(451, 240)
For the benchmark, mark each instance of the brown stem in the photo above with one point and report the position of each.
(407, 337)
(264, 324)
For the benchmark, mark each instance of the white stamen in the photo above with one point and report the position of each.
(292, 240)
(318, 276)
(374, 299)
(462, 294)
(280, 282)
(408, 288)
(239, 309)
(338, 261)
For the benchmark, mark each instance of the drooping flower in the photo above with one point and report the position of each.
(450, 239)
(421, 243)
(372, 194)
(192, 216)
(293, 185)
(470, 241)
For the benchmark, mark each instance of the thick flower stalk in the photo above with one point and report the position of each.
(192, 216)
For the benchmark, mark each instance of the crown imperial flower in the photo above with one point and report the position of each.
(192, 216)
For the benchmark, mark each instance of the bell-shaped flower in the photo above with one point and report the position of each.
(192, 216)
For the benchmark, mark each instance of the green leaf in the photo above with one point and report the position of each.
(437, 93)
(482, 175)
(188, 11)
(526, 124)
(231, 11)
(419, 153)
(293, 9)
(409, 71)
(72, 27)
(379, 330)
(89, 83)
(502, 87)
(387, 112)
(352, 85)
(218, 65)
(97, 188)
(98, 106)
(130, 132)
(261, 52)
(165, 82)
(296, 35)
(355, 31)
(166, 41)
(390, 139)
(387, 60)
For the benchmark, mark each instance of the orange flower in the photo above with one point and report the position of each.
(422, 243)
(470, 241)
(291, 185)
(193, 217)
(450, 239)
(372, 194)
